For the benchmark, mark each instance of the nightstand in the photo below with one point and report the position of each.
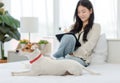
(13, 56)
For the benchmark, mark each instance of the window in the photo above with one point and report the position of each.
(105, 15)
(43, 9)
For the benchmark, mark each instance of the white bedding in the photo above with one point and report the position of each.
(110, 73)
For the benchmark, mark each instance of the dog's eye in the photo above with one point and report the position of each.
(26, 48)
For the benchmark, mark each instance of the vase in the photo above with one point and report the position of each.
(42, 46)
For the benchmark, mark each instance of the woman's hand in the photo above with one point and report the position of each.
(71, 54)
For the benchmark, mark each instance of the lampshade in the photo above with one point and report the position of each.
(29, 25)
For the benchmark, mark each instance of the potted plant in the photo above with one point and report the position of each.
(8, 28)
(23, 42)
(42, 43)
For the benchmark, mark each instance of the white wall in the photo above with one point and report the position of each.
(118, 19)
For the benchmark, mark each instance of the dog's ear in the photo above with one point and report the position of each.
(19, 45)
(29, 43)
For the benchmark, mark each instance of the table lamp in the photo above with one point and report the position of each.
(29, 25)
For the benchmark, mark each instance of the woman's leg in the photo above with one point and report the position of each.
(67, 46)
(76, 59)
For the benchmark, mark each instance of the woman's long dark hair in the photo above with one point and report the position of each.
(78, 23)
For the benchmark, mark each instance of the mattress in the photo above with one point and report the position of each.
(110, 73)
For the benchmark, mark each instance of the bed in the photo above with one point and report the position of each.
(110, 71)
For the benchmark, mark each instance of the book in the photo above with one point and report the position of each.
(59, 37)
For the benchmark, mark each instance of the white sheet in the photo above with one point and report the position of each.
(110, 73)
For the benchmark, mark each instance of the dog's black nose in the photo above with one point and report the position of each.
(17, 51)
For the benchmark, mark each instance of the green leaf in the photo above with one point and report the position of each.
(0, 19)
(4, 29)
(1, 4)
(9, 27)
(14, 34)
(10, 21)
(6, 39)
(43, 42)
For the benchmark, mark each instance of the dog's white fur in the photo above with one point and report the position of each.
(48, 66)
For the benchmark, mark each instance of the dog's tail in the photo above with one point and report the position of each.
(90, 71)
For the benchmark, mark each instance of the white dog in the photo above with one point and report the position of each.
(41, 65)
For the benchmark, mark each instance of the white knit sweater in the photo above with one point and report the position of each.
(86, 48)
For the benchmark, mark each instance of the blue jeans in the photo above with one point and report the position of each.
(67, 46)
(81, 61)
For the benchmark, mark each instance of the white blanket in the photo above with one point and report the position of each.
(110, 73)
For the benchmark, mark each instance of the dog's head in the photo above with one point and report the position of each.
(28, 49)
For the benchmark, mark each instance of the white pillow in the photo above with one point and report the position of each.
(99, 55)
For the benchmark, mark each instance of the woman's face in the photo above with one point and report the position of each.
(84, 13)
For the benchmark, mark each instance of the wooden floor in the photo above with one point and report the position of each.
(3, 61)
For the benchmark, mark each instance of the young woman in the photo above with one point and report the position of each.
(86, 31)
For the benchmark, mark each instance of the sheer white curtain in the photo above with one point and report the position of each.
(105, 14)
(43, 9)
(67, 9)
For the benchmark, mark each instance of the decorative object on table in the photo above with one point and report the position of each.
(23, 42)
(29, 25)
(42, 44)
(8, 28)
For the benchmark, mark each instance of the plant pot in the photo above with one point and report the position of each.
(42, 46)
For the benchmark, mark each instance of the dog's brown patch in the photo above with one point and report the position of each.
(27, 48)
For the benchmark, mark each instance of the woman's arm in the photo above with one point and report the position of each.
(68, 29)
(87, 48)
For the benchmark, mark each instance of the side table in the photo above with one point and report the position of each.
(13, 57)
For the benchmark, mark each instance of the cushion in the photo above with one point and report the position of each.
(99, 55)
